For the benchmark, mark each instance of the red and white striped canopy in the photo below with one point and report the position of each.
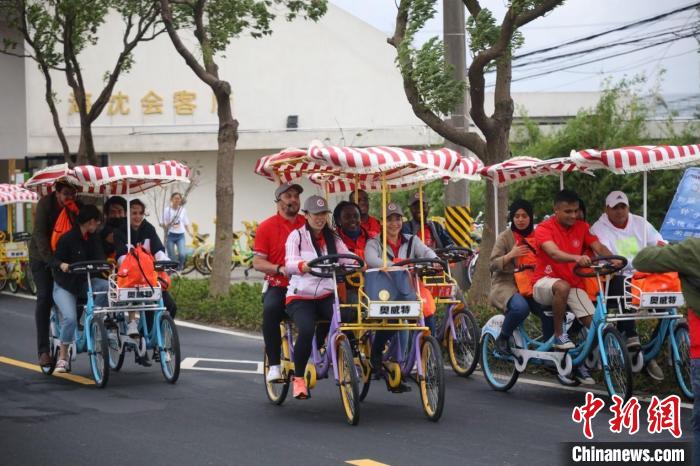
(522, 168)
(637, 159)
(339, 169)
(14, 194)
(111, 180)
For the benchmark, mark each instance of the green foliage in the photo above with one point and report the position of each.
(483, 31)
(241, 307)
(427, 66)
(227, 19)
(617, 120)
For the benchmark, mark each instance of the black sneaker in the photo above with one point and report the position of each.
(503, 345)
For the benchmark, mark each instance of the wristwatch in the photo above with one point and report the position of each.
(278, 268)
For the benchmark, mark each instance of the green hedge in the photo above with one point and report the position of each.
(241, 308)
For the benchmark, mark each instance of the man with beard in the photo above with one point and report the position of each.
(40, 256)
(269, 258)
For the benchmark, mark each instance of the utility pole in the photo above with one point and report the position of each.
(453, 22)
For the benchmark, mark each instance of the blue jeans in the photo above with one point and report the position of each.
(67, 305)
(695, 379)
(517, 310)
(176, 239)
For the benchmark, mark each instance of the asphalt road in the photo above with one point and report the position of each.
(222, 416)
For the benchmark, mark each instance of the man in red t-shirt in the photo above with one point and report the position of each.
(561, 241)
(369, 223)
(270, 239)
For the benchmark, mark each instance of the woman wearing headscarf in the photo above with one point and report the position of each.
(512, 258)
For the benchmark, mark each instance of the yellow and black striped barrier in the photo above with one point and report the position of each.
(459, 224)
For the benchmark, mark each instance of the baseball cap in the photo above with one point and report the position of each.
(416, 197)
(283, 188)
(393, 208)
(315, 205)
(615, 198)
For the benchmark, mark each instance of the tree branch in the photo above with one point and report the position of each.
(167, 15)
(465, 138)
(473, 7)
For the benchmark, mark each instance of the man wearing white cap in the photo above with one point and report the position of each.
(623, 233)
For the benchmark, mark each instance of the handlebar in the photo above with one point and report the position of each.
(425, 265)
(162, 266)
(90, 266)
(453, 254)
(603, 269)
(328, 266)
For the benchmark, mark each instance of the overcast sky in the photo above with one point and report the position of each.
(576, 19)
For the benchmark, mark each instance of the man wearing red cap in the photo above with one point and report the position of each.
(270, 238)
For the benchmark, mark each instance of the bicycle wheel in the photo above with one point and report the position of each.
(99, 357)
(276, 391)
(348, 382)
(618, 371)
(53, 347)
(116, 352)
(12, 285)
(471, 268)
(463, 348)
(682, 366)
(200, 263)
(169, 349)
(500, 371)
(432, 383)
(29, 283)
(189, 266)
(365, 349)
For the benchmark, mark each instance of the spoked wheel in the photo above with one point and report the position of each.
(189, 265)
(29, 281)
(3, 277)
(99, 357)
(53, 349)
(12, 285)
(200, 263)
(500, 371)
(116, 352)
(463, 349)
(618, 372)
(432, 384)
(170, 349)
(348, 382)
(364, 369)
(276, 391)
(682, 366)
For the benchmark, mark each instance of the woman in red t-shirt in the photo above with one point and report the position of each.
(346, 218)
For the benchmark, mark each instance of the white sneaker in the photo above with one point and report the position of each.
(61, 366)
(274, 374)
(654, 370)
(132, 329)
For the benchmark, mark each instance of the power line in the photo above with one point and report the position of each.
(610, 31)
(604, 46)
(645, 47)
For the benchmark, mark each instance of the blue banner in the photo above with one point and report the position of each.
(683, 217)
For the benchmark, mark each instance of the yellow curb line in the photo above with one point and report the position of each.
(36, 368)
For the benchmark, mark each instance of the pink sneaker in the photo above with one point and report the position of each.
(299, 388)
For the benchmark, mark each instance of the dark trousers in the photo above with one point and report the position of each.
(305, 313)
(273, 315)
(44, 301)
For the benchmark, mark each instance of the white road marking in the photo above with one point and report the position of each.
(182, 323)
(19, 295)
(190, 363)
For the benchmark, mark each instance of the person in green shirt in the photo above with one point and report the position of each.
(684, 258)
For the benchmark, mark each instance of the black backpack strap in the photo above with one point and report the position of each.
(409, 249)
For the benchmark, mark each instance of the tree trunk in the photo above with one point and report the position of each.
(54, 113)
(497, 151)
(220, 280)
(86, 150)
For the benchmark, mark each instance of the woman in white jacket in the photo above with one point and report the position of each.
(309, 298)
